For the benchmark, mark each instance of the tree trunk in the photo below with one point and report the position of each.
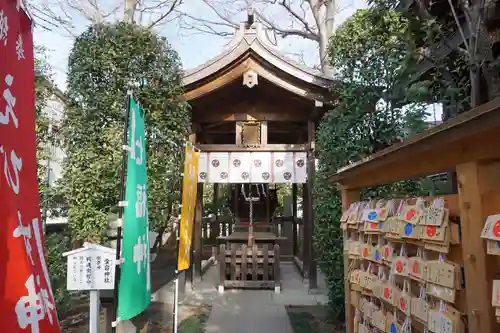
(475, 85)
(130, 7)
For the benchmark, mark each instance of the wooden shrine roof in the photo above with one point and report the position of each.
(250, 49)
(470, 136)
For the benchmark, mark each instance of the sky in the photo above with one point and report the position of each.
(193, 48)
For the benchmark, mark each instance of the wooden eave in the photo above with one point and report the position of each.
(249, 52)
(470, 136)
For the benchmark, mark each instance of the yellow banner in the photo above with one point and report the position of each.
(189, 187)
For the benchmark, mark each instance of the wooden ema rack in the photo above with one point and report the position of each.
(466, 145)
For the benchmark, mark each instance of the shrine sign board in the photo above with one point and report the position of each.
(91, 267)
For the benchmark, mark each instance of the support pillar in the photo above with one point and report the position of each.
(479, 197)
(198, 241)
(268, 204)
(311, 171)
(306, 234)
(348, 196)
(215, 228)
(294, 222)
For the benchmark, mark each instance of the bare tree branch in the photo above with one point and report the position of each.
(63, 13)
(174, 4)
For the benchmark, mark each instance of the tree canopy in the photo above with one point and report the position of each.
(106, 61)
(380, 103)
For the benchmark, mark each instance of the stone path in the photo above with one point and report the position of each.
(259, 311)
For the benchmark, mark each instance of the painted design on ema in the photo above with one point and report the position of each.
(399, 266)
(402, 304)
(431, 230)
(365, 252)
(410, 214)
(496, 229)
(377, 254)
(387, 293)
(215, 163)
(415, 267)
(408, 229)
(372, 215)
(393, 328)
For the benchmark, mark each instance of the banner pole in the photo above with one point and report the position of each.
(120, 212)
(178, 237)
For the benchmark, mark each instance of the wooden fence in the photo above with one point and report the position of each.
(213, 229)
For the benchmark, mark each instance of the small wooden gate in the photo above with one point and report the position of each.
(256, 267)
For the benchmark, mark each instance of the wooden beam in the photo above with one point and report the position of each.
(479, 195)
(311, 168)
(261, 114)
(235, 148)
(467, 137)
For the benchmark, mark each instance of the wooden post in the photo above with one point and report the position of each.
(215, 227)
(235, 197)
(239, 132)
(263, 133)
(311, 168)
(198, 243)
(268, 204)
(348, 197)
(305, 233)
(294, 223)
(479, 196)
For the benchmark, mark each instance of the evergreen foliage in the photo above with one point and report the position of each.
(107, 61)
(380, 103)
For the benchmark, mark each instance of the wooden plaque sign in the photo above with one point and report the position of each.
(420, 309)
(400, 266)
(417, 267)
(410, 231)
(403, 303)
(379, 319)
(495, 299)
(491, 229)
(411, 214)
(446, 274)
(446, 294)
(493, 247)
(392, 324)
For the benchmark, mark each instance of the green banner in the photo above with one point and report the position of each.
(134, 293)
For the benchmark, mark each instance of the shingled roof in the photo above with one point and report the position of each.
(253, 40)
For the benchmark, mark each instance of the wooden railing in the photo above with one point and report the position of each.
(283, 227)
